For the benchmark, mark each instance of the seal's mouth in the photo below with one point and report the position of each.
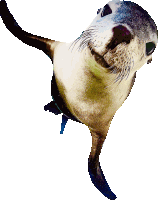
(99, 58)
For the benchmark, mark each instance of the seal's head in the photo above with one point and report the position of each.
(122, 37)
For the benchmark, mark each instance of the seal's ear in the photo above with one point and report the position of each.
(120, 34)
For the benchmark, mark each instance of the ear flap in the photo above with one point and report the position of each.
(120, 34)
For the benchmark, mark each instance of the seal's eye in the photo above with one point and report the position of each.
(150, 47)
(106, 10)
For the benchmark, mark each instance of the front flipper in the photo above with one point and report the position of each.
(63, 124)
(38, 42)
(94, 168)
(51, 107)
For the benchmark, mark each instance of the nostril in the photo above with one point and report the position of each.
(149, 61)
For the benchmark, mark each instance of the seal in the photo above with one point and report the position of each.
(94, 74)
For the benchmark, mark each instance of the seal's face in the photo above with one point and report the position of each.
(121, 38)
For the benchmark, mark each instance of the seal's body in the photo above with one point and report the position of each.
(86, 91)
(95, 73)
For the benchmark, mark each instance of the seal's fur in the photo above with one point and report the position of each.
(95, 73)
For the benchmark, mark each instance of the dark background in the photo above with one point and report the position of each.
(36, 162)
